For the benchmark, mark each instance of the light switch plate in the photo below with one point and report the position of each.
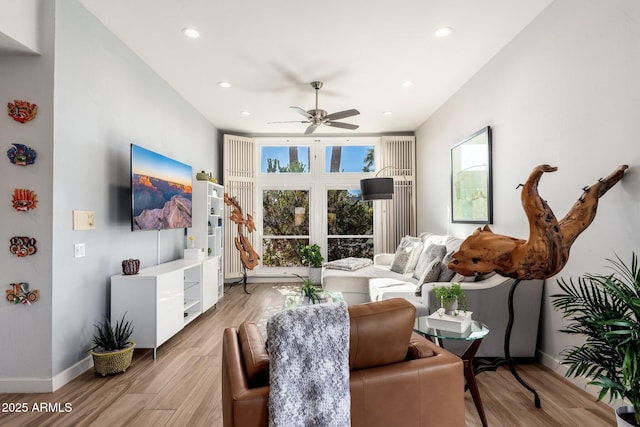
(84, 220)
(79, 249)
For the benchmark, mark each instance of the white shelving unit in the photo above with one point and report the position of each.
(160, 300)
(208, 231)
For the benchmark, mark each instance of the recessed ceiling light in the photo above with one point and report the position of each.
(443, 32)
(387, 113)
(192, 33)
(224, 84)
(245, 113)
(408, 83)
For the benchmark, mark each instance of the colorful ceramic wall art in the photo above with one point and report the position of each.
(24, 199)
(22, 111)
(23, 246)
(21, 155)
(20, 294)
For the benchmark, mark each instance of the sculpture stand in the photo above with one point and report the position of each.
(243, 280)
(508, 360)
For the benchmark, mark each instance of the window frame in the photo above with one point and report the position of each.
(317, 182)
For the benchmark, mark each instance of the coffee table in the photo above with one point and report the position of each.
(476, 332)
(296, 299)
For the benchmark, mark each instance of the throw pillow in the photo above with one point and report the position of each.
(403, 257)
(428, 254)
(413, 258)
(430, 275)
(445, 273)
(418, 348)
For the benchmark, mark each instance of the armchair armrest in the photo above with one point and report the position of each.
(383, 259)
(241, 405)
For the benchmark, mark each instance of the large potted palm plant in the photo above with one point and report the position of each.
(606, 310)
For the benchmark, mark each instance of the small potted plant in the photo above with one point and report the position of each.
(310, 293)
(452, 299)
(113, 350)
(312, 256)
(605, 309)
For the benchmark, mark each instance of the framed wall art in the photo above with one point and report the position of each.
(471, 195)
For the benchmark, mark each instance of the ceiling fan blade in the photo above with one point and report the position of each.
(303, 112)
(342, 125)
(342, 114)
(288, 121)
(310, 129)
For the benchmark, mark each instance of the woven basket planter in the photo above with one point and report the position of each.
(114, 361)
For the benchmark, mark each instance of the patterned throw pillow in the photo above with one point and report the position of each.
(428, 254)
(445, 273)
(408, 250)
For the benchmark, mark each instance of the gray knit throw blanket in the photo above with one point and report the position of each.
(309, 366)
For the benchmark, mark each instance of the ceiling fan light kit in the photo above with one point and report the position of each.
(316, 117)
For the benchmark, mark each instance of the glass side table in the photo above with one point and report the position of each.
(474, 335)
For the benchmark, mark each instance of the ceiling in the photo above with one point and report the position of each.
(270, 51)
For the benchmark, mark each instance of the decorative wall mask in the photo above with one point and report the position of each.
(22, 111)
(21, 155)
(23, 246)
(24, 199)
(20, 294)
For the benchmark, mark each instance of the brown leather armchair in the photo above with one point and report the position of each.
(397, 377)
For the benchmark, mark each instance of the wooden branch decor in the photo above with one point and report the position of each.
(248, 256)
(547, 250)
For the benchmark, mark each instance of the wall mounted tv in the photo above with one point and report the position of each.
(160, 191)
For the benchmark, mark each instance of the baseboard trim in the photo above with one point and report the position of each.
(72, 372)
(556, 366)
(45, 385)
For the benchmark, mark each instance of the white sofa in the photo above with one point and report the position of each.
(487, 298)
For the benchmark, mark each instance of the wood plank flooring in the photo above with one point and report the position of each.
(182, 386)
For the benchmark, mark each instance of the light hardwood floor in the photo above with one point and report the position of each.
(182, 386)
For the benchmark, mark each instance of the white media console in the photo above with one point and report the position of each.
(163, 299)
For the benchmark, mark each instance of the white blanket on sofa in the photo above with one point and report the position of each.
(309, 366)
(348, 264)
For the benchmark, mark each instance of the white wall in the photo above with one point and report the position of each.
(564, 92)
(94, 102)
(19, 25)
(26, 331)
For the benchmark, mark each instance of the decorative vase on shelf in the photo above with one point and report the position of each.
(202, 176)
(191, 242)
(130, 266)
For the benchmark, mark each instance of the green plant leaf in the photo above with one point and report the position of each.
(605, 309)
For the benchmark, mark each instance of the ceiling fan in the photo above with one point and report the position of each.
(317, 117)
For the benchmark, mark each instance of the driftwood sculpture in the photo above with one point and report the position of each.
(248, 256)
(547, 250)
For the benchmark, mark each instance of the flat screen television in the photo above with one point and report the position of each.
(160, 191)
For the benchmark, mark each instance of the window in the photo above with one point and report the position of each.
(349, 158)
(284, 159)
(285, 224)
(349, 225)
(327, 170)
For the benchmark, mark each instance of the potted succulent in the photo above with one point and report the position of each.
(312, 256)
(606, 310)
(452, 299)
(310, 293)
(113, 350)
